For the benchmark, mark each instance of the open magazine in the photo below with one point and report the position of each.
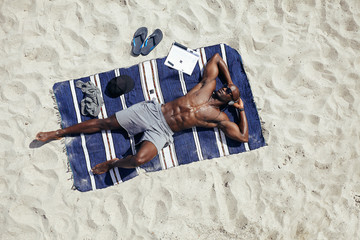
(182, 58)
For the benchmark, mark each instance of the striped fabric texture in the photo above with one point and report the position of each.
(153, 80)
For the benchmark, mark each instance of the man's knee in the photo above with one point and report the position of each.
(145, 154)
(139, 160)
(216, 57)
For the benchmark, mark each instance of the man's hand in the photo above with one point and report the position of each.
(239, 104)
(238, 131)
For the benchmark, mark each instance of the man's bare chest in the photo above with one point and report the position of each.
(206, 113)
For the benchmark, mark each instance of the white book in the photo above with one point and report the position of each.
(182, 58)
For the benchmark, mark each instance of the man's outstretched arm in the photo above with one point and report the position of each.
(239, 131)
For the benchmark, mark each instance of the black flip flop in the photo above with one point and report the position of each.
(151, 42)
(138, 40)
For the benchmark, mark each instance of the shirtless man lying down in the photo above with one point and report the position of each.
(200, 107)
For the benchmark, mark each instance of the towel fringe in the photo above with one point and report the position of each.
(68, 167)
(53, 96)
(73, 187)
(56, 107)
(58, 117)
(59, 121)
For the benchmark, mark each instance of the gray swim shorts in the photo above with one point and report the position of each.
(148, 118)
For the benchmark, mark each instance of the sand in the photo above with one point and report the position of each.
(302, 60)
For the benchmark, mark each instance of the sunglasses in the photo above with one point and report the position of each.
(228, 91)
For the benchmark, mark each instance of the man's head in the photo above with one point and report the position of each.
(229, 94)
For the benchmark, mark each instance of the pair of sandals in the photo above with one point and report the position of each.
(142, 45)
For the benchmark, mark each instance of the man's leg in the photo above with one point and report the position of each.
(90, 126)
(146, 152)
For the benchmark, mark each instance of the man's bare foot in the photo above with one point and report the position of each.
(103, 167)
(46, 136)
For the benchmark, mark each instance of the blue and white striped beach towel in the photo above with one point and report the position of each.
(152, 80)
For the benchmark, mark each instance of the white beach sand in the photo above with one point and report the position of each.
(302, 61)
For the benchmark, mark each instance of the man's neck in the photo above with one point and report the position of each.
(214, 101)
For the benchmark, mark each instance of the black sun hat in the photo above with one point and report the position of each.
(119, 85)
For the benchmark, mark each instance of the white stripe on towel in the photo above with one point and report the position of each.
(83, 142)
(169, 151)
(106, 135)
(152, 91)
(219, 135)
(222, 134)
(124, 106)
(223, 53)
(195, 134)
